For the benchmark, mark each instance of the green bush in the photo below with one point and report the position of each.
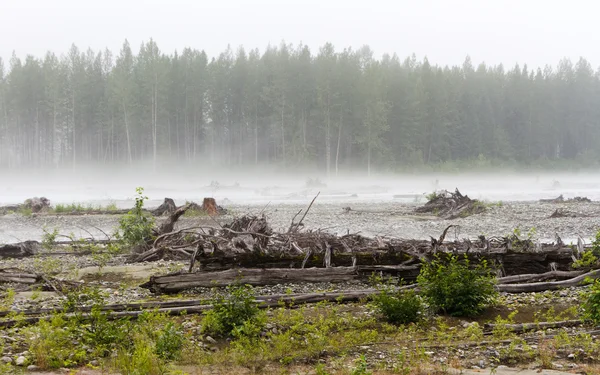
(588, 259)
(591, 305)
(135, 227)
(455, 288)
(596, 245)
(236, 314)
(399, 307)
(169, 342)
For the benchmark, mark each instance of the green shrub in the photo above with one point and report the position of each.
(399, 307)
(588, 259)
(596, 245)
(455, 288)
(236, 314)
(169, 342)
(591, 305)
(135, 227)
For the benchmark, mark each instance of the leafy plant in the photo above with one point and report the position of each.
(362, 367)
(236, 314)
(588, 259)
(49, 238)
(169, 342)
(135, 227)
(399, 307)
(591, 304)
(455, 288)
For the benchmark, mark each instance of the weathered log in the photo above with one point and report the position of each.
(523, 327)
(539, 277)
(178, 282)
(13, 275)
(20, 250)
(549, 285)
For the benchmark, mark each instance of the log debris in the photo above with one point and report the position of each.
(448, 205)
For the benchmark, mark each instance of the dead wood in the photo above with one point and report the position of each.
(182, 281)
(561, 212)
(539, 277)
(168, 225)
(14, 275)
(37, 205)
(166, 208)
(448, 205)
(549, 285)
(20, 250)
(561, 199)
(522, 327)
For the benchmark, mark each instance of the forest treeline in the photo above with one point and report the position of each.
(287, 106)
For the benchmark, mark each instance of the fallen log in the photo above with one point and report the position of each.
(539, 277)
(182, 281)
(20, 250)
(13, 275)
(523, 327)
(549, 285)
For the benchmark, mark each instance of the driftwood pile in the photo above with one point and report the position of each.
(448, 205)
(249, 251)
(561, 199)
(42, 205)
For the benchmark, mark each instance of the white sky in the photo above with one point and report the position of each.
(536, 32)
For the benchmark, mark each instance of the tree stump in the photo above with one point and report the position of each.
(209, 205)
(167, 208)
(37, 204)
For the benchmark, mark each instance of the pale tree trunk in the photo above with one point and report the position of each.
(339, 139)
(127, 133)
(256, 133)
(154, 115)
(328, 140)
(283, 131)
(369, 160)
(74, 151)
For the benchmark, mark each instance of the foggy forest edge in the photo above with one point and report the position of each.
(334, 109)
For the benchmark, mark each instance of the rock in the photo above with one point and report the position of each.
(210, 339)
(571, 356)
(6, 359)
(429, 353)
(21, 361)
(95, 363)
(557, 366)
(32, 368)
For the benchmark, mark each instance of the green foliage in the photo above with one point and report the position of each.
(135, 227)
(49, 238)
(399, 307)
(169, 342)
(361, 367)
(596, 245)
(591, 304)
(432, 196)
(455, 288)
(60, 208)
(588, 260)
(235, 314)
